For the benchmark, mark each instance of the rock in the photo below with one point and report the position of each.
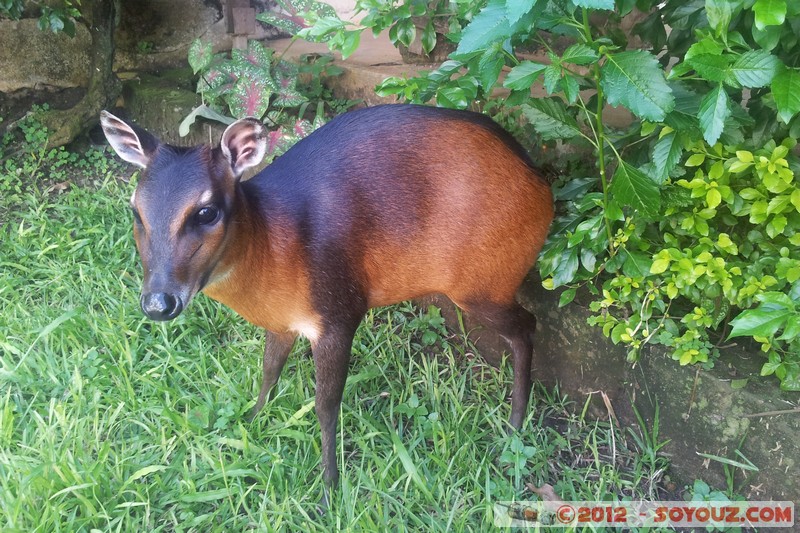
(155, 34)
(35, 59)
(160, 103)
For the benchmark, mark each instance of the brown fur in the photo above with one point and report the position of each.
(263, 276)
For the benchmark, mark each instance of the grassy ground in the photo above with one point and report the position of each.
(110, 422)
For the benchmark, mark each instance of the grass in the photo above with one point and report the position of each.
(110, 422)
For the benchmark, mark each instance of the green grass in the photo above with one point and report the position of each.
(111, 422)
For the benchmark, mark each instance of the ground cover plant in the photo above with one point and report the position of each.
(111, 422)
(288, 97)
(681, 228)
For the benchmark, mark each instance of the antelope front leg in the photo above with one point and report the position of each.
(276, 351)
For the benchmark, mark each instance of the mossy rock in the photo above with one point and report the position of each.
(159, 103)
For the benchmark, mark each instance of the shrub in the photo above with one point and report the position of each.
(253, 83)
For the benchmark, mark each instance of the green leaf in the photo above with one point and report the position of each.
(713, 198)
(549, 117)
(714, 110)
(617, 332)
(452, 97)
(406, 31)
(570, 87)
(257, 54)
(792, 329)
(428, 38)
(637, 265)
(660, 265)
(516, 9)
(595, 4)
(667, 153)
(776, 225)
(490, 66)
(706, 45)
(635, 79)
(205, 112)
(579, 54)
(146, 471)
(791, 380)
(199, 416)
(794, 198)
(755, 68)
(775, 300)
(720, 13)
(779, 203)
(350, 41)
(523, 75)
(409, 465)
(770, 367)
(738, 383)
(56, 22)
(249, 97)
(566, 269)
(552, 78)
(786, 92)
(769, 13)
(322, 29)
(588, 259)
(632, 187)
(567, 296)
(200, 55)
(768, 38)
(625, 6)
(490, 25)
(712, 67)
(759, 322)
(291, 21)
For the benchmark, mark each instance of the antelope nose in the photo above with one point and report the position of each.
(161, 306)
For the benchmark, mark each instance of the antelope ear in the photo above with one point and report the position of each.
(132, 144)
(244, 144)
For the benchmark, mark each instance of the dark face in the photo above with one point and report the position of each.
(182, 206)
(181, 209)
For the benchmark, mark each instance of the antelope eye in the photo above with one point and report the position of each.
(206, 215)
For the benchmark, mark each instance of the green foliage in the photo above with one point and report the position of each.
(244, 83)
(318, 22)
(54, 16)
(29, 168)
(253, 83)
(145, 47)
(290, 17)
(635, 80)
(313, 72)
(723, 242)
(11, 9)
(430, 326)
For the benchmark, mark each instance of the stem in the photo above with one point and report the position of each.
(511, 56)
(291, 42)
(600, 135)
(587, 29)
(601, 156)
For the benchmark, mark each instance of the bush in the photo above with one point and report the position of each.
(254, 83)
